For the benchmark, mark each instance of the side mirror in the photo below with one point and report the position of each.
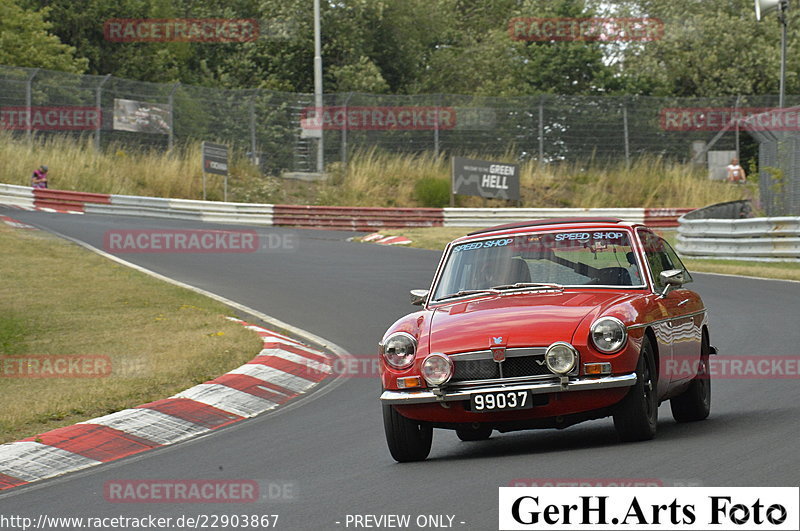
(418, 296)
(671, 278)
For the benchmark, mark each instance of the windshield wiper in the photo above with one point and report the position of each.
(465, 292)
(523, 285)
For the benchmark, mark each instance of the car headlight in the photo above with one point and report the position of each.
(437, 369)
(561, 357)
(399, 350)
(608, 334)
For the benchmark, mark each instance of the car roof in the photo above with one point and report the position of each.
(543, 222)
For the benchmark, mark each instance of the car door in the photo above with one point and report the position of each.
(679, 330)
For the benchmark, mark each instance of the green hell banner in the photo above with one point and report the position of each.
(483, 178)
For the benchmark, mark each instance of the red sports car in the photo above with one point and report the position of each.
(545, 324)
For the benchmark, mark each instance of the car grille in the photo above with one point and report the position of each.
(480, 365)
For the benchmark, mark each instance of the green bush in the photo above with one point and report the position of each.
(432, 192)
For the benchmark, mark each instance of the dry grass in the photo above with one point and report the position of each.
(74, 164)
(373, 178)
(60, 299)
(651, 181)
(778, 270)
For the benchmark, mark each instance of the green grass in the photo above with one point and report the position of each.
(59, 299)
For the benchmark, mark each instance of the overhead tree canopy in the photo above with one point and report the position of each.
(25, 40)
(416, 46)
(707, 49)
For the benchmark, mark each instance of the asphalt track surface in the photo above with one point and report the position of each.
(332, 449)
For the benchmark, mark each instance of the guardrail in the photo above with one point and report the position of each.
(720, 231)
(186, 209)
(484, 217)
(356, 218)
(329, 217)
(66, 199)
(21, 196)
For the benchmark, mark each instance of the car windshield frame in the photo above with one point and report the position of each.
(535, 284)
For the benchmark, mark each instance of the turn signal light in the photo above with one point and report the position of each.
(596, 369)
(409, 381)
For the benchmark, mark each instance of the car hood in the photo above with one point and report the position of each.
(530, 319)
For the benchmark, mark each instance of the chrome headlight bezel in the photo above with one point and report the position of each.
(600, 343)
(395, 360)
(550, 354)
(437, 357)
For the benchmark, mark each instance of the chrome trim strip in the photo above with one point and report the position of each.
(487, 354)
(660, 321)
(491, 381)
(584, 384)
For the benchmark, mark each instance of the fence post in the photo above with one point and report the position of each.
(171, 102)
(736, 113)
(254, 158)
(627, 136)
(29, 102)
(436, 127)
(541, 129)
(98, 104)
(344, 132)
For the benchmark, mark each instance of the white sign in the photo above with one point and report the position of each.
(634, 509)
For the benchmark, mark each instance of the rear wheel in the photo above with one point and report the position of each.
(408, 440)
(636, 416)
(695, 403)
(469, 433)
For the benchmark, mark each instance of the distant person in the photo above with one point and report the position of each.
(736, 173)
(39, 177)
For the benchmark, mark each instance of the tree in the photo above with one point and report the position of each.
(478, 55)
(25, 40)
(707, 49)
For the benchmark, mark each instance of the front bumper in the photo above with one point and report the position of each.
(537, 388)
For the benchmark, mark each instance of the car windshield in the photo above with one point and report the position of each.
(546, 260)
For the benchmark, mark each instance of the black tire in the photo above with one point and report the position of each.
(636, 416)
(408, 440)
(695, 403)
(470, 434)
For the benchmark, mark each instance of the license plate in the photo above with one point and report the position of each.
(500, 401)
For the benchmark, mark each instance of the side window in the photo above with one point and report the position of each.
(660, 257)
(675, 261)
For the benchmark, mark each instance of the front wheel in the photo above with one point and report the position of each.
(636, 416)
(695, 403)
(408, 440)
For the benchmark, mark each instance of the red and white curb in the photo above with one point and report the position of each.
(11, 222)
(270, 379)
(63, 210)
(378, 238)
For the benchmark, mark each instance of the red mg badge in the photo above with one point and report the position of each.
(498, 347)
